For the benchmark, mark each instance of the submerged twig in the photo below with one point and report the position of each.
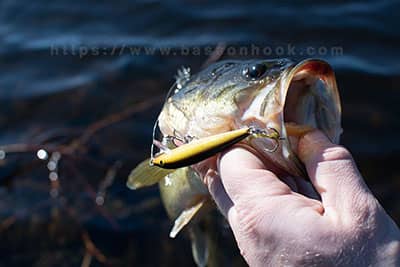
(91, 250)
(71, 153)
(7, 222)
(112, 119)
(107, 182)
(30, 148)
(87, 260)
(87, 133)
(92, 194)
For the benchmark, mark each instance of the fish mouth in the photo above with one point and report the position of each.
(305, 97)
(311, 98)
(311, 101)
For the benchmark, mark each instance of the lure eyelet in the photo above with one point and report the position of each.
(275, 136)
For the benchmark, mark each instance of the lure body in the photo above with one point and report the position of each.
(200, 149)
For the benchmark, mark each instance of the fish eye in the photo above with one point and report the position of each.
(255, 71)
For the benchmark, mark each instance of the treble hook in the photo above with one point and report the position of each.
(182, 138)
(275, 136)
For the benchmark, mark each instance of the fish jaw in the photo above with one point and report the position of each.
(305, 94)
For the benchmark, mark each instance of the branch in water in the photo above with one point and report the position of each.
(92, 250)
(89, 131)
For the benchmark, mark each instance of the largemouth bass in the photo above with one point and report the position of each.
(289, 98)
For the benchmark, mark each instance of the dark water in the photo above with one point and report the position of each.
(67, 64)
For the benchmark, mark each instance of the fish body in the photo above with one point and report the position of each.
(186, 199)
(289, 97)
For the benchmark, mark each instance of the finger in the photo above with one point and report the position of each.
(243, 176)
(218, 192)
(332, 171)
(213, 182)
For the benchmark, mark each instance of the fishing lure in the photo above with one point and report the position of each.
(200, 149)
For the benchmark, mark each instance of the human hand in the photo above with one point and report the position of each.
(284, 222)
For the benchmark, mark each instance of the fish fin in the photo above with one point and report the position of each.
(199, 245)
(145, 175)
(185, 217)
(182, 77)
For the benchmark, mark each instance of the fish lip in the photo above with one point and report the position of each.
(276, 119)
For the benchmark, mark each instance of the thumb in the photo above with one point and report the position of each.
(333, 172)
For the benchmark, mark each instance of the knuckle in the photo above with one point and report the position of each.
(364, 212)
(337, 153)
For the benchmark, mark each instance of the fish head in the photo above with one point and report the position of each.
(265, 94)
(305, 94)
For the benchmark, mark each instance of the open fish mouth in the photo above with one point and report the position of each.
(305, 97)
(311, 98)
